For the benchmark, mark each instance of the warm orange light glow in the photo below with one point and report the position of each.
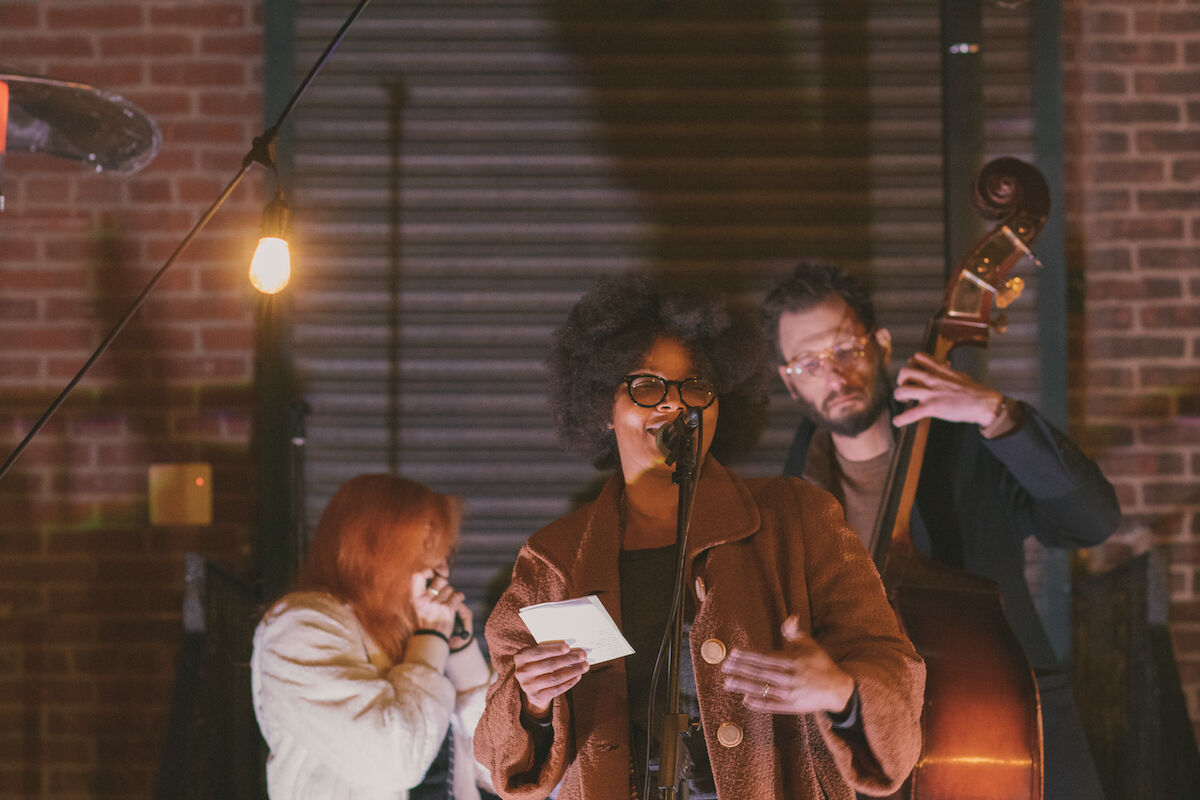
(985, 761)
(271, 267)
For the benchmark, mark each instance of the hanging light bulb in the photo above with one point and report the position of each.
(271, 267)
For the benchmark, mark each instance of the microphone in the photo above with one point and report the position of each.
(671, 435)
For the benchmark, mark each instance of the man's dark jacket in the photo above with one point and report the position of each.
(979, 499)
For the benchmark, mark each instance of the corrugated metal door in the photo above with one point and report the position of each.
(464, 170)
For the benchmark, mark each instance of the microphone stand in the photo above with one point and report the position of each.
(261, 152)
(674, 762)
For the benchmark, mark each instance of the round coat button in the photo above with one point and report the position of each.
(701, 589)
(729, 734)
(712, 651)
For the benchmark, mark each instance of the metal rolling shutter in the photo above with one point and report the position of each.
(464, 170)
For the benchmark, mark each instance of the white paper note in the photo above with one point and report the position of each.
(580, 622)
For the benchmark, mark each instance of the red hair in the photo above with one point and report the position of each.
(376, 533)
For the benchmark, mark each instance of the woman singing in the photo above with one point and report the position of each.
(801, 678)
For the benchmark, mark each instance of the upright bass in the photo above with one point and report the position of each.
(981, 719)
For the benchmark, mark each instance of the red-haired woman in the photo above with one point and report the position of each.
(363, 685)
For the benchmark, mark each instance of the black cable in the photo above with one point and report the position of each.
(262, 151)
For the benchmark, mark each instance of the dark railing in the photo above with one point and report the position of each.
(213, 748)
(1133, 707)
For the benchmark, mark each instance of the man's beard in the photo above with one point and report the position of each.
(856, 423)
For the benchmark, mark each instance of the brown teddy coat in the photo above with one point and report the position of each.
(759, 550)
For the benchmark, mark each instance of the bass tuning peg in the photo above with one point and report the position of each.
(1010, 291)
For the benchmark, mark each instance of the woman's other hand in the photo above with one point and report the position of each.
(544, 671)
(799, 680)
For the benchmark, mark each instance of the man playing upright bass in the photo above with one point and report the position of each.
(995, 471)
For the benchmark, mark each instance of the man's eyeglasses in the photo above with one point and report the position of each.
(648, 391)
(814, 365)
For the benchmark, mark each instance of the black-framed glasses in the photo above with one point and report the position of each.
(814, 365)
(648, 391)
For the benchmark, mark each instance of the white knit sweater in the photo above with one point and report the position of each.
(344, 722)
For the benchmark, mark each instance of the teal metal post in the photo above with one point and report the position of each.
(1054, 602)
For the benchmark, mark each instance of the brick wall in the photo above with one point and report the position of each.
(1133, 153)
(90, 594)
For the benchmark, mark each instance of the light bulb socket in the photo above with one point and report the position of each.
(276, 217)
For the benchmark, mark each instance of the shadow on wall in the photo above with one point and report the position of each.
(93, 625)
(737, 154)
(20, 551)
